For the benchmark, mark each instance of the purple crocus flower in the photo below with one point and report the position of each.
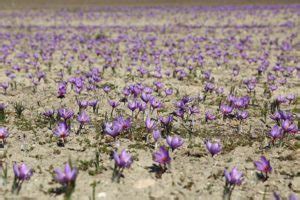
(67, 176)
(289, 127)
(123, 160)
(281, 99)
(193, 110)
(2, 107)
(174, 142)
(132, 105)
(291, 98)
(263, 165)
(106, 89)
(162, 156)
(150, 124)
(209, 116)
(22, 172)
(113, 129)
(3, 133)
(113, 103)
(167, 120)
(65, 113)
(83, 118)
(238, 103)
(154, 103)
(276, 132)
(158, 85)
(234, 177)
(49, 113)
(241, 115)
(281, 115)
(156, 135)
(62, 90)
(142, 106)
(168, 91)
(213, 148)
(276, 116)
(276, 196)
(4, 86)
(293, 197)
(83, 104)
(209, 87)
(225, 109)
(125, 124)
(146, 97)
(62, 130)
(93, 104)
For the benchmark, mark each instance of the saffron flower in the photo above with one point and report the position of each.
(83, 104)
(289, 127)
(162, 156)
(62, 90)
(132, 106)
(241, 115)
(213, 148)
(125, 124)
(168, 91)
(123, 160)
(234, 177)
(3, 133)
(49, 113)
(150, 124)
(264, 166)
(93, 104)
(156, 135)
(174, 142)
(276, 132)
(22, 173)
(167, 120)
(61, 131)
(112, 129)
(67, 176)
(209, 116)
(106, 89)
(113, 103)
(4, 86)
(83, 118)
(65, 113)
(225, 109)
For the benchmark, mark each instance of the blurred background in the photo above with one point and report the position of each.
(8, 4)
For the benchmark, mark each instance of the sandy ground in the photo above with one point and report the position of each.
(193, 173)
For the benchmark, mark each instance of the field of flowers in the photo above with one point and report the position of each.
(150, 103)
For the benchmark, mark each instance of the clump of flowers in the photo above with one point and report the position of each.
(115, 128)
